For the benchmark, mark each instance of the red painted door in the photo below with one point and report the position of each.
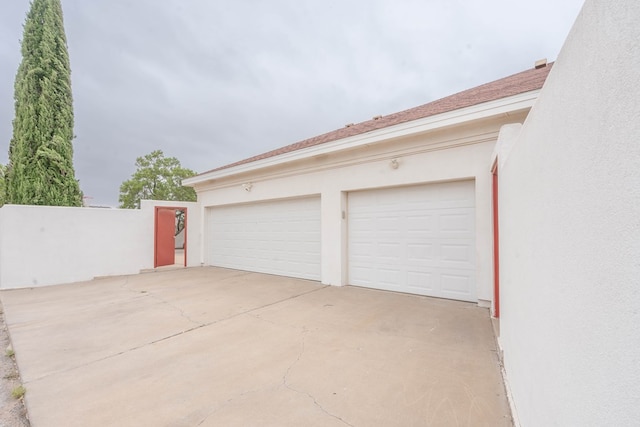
(165, 236)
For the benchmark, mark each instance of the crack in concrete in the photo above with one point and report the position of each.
(198, 326)
(181, 311)
(230, 400)
(283, 383)
(162, 300)
(271, 322)
(304, 393)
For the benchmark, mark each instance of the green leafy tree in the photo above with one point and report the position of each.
(40, 169)
(156, 178)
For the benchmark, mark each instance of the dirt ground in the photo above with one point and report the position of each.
(12, 411)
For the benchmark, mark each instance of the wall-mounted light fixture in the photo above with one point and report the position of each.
(394, 164)
(247, 186)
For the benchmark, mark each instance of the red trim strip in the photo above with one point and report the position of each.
(496, 247)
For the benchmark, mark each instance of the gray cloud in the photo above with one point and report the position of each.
(215, 82)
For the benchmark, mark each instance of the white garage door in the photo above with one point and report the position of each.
(418, 239)
(277, 237)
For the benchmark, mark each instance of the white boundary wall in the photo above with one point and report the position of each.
(45, 245)
(570, 233)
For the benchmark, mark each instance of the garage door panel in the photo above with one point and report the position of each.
(456, 284)
(389, 276)
(277, 237)
(417, 239)
(456, 253)
(363, 250)
(365, 276)
(388, 251)
(456, 222)
(422, 223)
(421, 281)
(419, 252)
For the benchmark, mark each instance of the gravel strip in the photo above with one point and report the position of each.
(12, 411)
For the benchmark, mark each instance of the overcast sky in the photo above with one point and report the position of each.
(211, 82)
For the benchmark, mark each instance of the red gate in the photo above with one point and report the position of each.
(165, 236)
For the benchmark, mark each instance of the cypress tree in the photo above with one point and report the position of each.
(2, 168)
(40, 169)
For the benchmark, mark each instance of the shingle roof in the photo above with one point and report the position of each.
(515, 84)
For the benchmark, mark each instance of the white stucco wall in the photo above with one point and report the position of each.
(506, 139)
(570, 233)
(461, 153)
(43, 245)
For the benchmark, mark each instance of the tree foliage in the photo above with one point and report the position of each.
(156, 178)
(2, 184)
(40, 169)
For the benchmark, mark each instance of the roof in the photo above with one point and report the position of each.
(522, 82)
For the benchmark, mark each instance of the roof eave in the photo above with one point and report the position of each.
(451, 118)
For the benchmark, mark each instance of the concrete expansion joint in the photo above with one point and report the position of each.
(287, 299)
(197, 325)
(251, 311)
(162, 300)
(120, 353)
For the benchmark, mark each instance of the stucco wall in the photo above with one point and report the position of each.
(570, 233)
(43, 245)
(453, 154)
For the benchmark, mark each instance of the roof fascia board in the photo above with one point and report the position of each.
(438, 121)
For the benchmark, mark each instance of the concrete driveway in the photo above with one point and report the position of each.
(217, 347)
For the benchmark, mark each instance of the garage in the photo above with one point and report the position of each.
(277, 237)
(416, 239)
